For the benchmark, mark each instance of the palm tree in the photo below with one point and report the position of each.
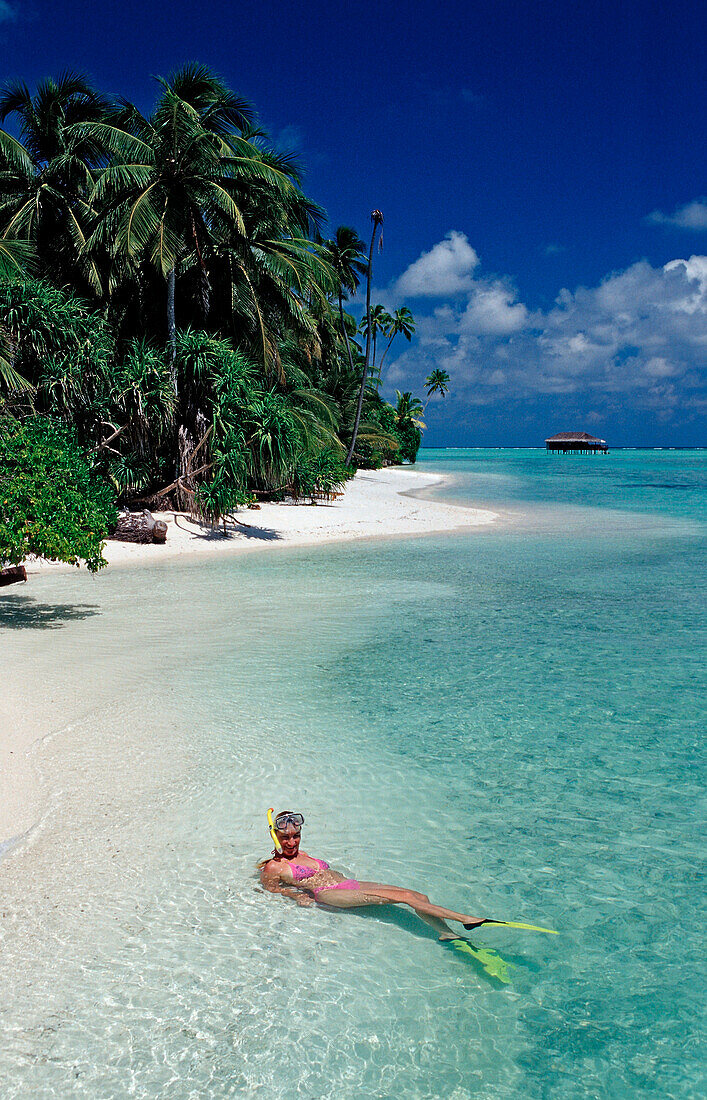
(346, 254)
(275, 274)
(408, 410)
(279, 278)
(186, 206)
(380, 321)
(187, 189)
(377, 219)
(47, 175)
(437, 382)
(193, 186)
(402, 322)
(168, 191)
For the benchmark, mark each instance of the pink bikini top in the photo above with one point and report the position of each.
(300, 872)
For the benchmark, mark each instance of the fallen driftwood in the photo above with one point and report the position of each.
(12, 574)
(139, 527)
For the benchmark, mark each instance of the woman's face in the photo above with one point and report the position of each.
(289, 841)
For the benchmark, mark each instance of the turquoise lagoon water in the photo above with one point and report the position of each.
(510, 720)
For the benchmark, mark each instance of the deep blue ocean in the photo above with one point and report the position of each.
(510, 719)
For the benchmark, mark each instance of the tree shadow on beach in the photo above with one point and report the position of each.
(236, 528)
(265, 534)
(25, 613)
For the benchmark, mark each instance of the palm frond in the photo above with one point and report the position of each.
(16, 257)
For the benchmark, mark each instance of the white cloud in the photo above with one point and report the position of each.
(492, 311)
(696, 270)
(445, 271)
(693, 215)
(638, 338)
(660, 367)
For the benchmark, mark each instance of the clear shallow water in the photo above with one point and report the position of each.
(511, 721)
(662, 483)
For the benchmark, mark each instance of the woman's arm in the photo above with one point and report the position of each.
(270, 880)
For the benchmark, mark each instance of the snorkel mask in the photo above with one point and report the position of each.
(281, 822)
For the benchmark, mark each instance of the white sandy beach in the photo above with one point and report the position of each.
(376, 504)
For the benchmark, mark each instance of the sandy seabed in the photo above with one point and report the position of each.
(375, 504)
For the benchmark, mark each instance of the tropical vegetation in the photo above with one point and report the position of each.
(172, 317)
(52, 505)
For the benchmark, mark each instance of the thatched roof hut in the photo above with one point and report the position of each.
(576, 443)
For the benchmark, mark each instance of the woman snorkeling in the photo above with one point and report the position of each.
(290, 867)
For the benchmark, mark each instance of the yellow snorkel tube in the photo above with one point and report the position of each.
(273, 834)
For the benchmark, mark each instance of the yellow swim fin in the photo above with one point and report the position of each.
(490, 961)
(512, 924)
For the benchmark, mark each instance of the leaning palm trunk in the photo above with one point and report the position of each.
(377, 218)
(380, 368)
(172, 325)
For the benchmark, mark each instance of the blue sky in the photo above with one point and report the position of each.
(540, 167)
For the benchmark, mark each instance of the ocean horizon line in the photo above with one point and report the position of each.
(539, 447)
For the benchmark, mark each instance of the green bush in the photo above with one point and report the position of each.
(410, 438)
(216, 499)
(58, 345)
(322, 471)
(378, 444)
(52, 504)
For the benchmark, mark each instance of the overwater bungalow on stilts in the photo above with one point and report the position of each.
(580, 443)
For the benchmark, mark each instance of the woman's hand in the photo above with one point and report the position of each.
(306, 900)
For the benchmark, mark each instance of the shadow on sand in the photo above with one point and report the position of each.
(245, 530)
(25, 613)
(265, 534)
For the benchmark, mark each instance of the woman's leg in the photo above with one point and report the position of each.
(376, 893)
(419, 902)
(441, 927)
(348, 899)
